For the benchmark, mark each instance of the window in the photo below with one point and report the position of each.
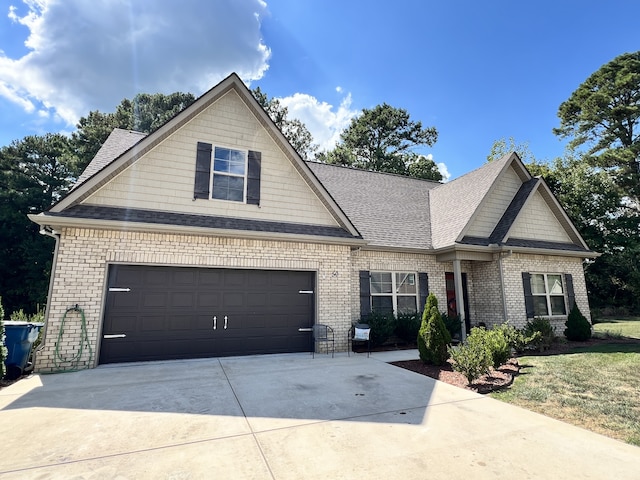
(234, 175)
(229, 168)
(394, 292)
(548, 294)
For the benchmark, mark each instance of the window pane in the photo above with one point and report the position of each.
(382, 304)
(557, 306)
(228, 188)
(237, 168)
(221, 166)
(222, 153)
(554, 283)
(381, 282)
(405, 283)
(407, 304)
(537, 283)
(540, 306)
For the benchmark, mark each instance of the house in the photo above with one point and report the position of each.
(212, 237)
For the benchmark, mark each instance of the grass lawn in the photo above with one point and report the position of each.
(597, 388)
(624, 328)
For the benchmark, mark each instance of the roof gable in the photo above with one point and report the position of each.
(455, 204)
(141, 163)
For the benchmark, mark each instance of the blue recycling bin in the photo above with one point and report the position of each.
(20, 337)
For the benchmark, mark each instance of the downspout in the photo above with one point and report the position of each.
(504, 297)
(46, 230)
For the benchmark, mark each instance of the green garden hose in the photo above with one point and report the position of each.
(63, 364)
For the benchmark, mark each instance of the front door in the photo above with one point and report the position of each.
(452, 304)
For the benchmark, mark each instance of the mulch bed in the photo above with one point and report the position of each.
(503, 376)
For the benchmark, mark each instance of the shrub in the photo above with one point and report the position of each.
(434, 335)
(452, 323)
(498, 346)
(546, 334)
(473, 358)
(422, 347)
(408, 326)
(19, 316)
(382, 326)
(578, 327)
(3, 349)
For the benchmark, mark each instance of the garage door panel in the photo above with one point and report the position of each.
(182, 299)
(169, 312)
(154, 300)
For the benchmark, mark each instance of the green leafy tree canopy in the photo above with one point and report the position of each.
(383, 139)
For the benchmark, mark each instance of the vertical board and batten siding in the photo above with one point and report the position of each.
(163, 179)
(536, 221)
(495, 205)
(85, 254)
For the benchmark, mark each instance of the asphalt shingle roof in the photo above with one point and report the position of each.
(118, 142)
(452, 204)
(205, 221)
(388, 210)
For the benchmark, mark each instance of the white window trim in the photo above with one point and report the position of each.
(393, 294)
(548, 295)
(244, 177)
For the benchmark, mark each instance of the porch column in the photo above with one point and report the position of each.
(457, 280)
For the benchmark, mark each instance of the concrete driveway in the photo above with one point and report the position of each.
(285, 417)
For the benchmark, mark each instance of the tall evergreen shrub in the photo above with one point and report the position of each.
(431, 302)
(435, 335)
(578, 327)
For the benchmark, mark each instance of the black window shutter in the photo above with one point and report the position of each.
(253, 178)
(365, 294)
(203, 171)
(571, 296)
(423, 289)
(528, 296)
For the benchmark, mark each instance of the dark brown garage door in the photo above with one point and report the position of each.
(160, 313)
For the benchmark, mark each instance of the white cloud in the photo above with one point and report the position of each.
(324, 121)
(90, 55)
(442, 168)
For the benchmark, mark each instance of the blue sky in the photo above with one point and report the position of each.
(477, 71)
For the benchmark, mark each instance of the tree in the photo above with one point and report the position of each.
(502, 147)
(34, 173)
(603, 113)
(144, 113)
(293, 129)
(382, 139)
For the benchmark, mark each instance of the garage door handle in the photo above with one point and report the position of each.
(215, 322)
(116, 289)
(115, 335)
(306, 291)
(225, 322)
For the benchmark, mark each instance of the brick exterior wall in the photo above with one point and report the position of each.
(84, 256)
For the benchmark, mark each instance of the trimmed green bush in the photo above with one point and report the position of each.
(498, 346)
(546, 335)
(382, 326)
(453, 325)
(408, 326)
(578, 327)
(516, 338)
(434, 334)
(473, 358)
